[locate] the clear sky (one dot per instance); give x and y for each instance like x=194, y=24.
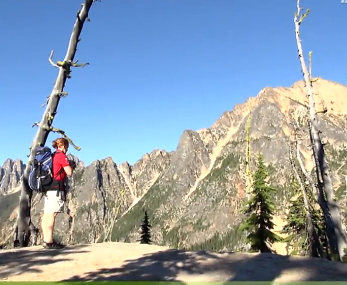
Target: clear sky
x=157, y=67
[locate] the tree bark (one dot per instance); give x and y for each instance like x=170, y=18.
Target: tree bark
x=335, y=232
x=315, y=245
x=25, y=226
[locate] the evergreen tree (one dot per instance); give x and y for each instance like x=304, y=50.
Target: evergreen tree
x=145, y=230
x=296, y=226
x=259, y=211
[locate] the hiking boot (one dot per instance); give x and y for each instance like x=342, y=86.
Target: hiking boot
x=53, y=245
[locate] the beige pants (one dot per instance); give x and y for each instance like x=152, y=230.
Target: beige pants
x=53, y=204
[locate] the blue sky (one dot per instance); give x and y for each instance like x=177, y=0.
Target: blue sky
x=157, y=67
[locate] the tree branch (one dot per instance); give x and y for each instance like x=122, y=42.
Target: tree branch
x=51, y=61
x=56, y=130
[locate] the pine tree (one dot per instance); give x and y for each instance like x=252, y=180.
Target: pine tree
x=145, y=230
x=296, y=226
x=259, y=211
x=296, y=223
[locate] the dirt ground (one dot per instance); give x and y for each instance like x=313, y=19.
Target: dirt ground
x=124, y=261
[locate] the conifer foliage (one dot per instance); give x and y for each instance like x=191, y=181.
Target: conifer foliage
x=296, y=227
x=145, y=230
x=259, y=211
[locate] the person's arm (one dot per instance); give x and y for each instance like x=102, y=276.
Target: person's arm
x=66, y=165
x=68, y=170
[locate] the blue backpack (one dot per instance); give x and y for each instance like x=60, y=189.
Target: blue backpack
x=41, y=174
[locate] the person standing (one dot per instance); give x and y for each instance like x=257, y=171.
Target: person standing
x=55, y=197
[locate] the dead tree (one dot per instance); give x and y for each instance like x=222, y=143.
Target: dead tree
x=248, y=157
x=335, y=233
x=315, y=246
x=25, y=227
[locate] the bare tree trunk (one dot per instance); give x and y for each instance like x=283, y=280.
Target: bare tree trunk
x=248, y=157
x=316, y=249
x=24, y=225
x=318, y=189
x=336, y=235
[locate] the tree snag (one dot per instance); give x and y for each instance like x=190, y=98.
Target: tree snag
x=249, y=180
x=315, y=247
x=25, y=227
x=335, y=232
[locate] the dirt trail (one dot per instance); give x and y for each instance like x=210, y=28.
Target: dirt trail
x=125, y=261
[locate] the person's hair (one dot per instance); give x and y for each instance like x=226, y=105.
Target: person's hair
x=60, y=142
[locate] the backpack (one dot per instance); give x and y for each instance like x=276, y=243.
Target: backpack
x=41, y=173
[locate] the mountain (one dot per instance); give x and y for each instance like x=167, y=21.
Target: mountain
x=194, y=194
x=10, y=175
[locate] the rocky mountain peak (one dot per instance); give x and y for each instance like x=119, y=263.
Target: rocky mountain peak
x=329, y=94
x=79, y=163
x=10, y=175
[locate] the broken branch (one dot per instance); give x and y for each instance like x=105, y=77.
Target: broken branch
x=51, y=61
x=56, y=130
x=325, y=110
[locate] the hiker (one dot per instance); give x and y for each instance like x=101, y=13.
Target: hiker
x=55, y=197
